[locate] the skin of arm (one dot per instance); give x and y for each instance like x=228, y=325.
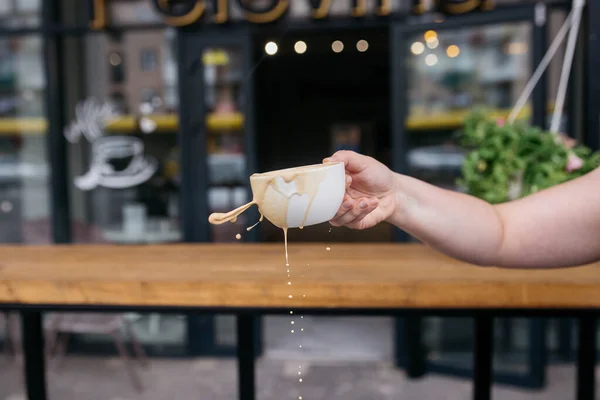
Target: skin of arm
x=556, y=227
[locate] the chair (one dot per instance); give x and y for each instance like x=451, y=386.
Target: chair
x=66, y=324
x=94, y=323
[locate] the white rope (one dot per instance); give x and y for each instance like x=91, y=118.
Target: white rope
x=566, y=68
x=522, y=100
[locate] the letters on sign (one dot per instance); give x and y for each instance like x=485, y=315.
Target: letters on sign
x=90, y=119
x=187, y=12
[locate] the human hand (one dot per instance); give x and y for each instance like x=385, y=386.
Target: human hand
x=370, y=191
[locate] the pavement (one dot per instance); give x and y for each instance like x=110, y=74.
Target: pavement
x=98, y=378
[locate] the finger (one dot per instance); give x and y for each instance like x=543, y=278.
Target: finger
x=354, y=162
x=361, y=208
x=358, y=223
x=347, y=205
x=348, y=181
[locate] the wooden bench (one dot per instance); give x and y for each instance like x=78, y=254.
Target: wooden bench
x=251, y=279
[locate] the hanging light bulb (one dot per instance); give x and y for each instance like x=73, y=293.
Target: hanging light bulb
x=271, y=48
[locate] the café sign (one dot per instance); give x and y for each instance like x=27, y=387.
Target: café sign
x=188, y=12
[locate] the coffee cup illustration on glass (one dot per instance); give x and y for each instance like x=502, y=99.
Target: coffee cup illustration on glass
x=110, y=150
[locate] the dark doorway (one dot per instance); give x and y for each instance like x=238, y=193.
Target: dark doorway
x=313, y=103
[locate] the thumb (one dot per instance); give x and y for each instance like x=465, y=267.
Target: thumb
x=353, y=162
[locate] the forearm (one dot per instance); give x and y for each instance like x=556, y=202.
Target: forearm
x=557, y=227
x=456, y=224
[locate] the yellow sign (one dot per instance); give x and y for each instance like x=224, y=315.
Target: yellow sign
x=191, y=11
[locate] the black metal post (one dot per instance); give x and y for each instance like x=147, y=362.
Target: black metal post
x=565, y=339
x=246, y=342
x=416, y=361
x=192, y=138
x=33, y=345
x=586, y=359
x=56, y=142
x=538, y=351
x=482, y=358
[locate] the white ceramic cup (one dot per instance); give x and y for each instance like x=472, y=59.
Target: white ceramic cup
x=328, y=179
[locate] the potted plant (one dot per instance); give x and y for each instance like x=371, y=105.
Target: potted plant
x=509, y=161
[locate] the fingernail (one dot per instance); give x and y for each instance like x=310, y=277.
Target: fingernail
x=348, y=179
x=373, y=202
x=363, y=204
x=347, y=204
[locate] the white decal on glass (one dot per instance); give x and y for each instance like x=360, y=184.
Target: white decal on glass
x=90, y=119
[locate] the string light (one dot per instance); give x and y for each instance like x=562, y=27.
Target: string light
x=271, y=48
x=337, y=46
x=300, y=47
x=362, y=46
x=453, y=51
x=433, y=42
x=417, y=48
x=431, y=59
x=430, y=35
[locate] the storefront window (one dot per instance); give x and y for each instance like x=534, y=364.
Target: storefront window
x=124, y=156
x=24, y=169
x=24, y=196
x=123, y=140
x=452, y=72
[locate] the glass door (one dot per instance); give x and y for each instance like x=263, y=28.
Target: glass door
x=220, y=155
x=122, y=133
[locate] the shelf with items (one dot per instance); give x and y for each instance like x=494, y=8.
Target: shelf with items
x=218, y=123
x=127, y=124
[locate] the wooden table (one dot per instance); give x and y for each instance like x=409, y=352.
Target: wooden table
x=251, y=279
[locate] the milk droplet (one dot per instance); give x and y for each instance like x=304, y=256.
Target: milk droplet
x=290, y=296
x=299, y=373
x=303, y=295
x=238, y=236
x=292, y=322
x=300, y=346
x=327, y=248
x=299, y=397
x=302, y=316
x=300, y=380
x=292, y=331
x=291, y=312
x=289, y=283
x=301, y=329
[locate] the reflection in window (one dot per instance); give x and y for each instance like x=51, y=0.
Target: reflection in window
x=456, y=70
x=148, y=60
x=20, y=13
x=117, y=70
x=24, y=201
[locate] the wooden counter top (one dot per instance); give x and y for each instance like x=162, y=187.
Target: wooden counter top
x=254, y=275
